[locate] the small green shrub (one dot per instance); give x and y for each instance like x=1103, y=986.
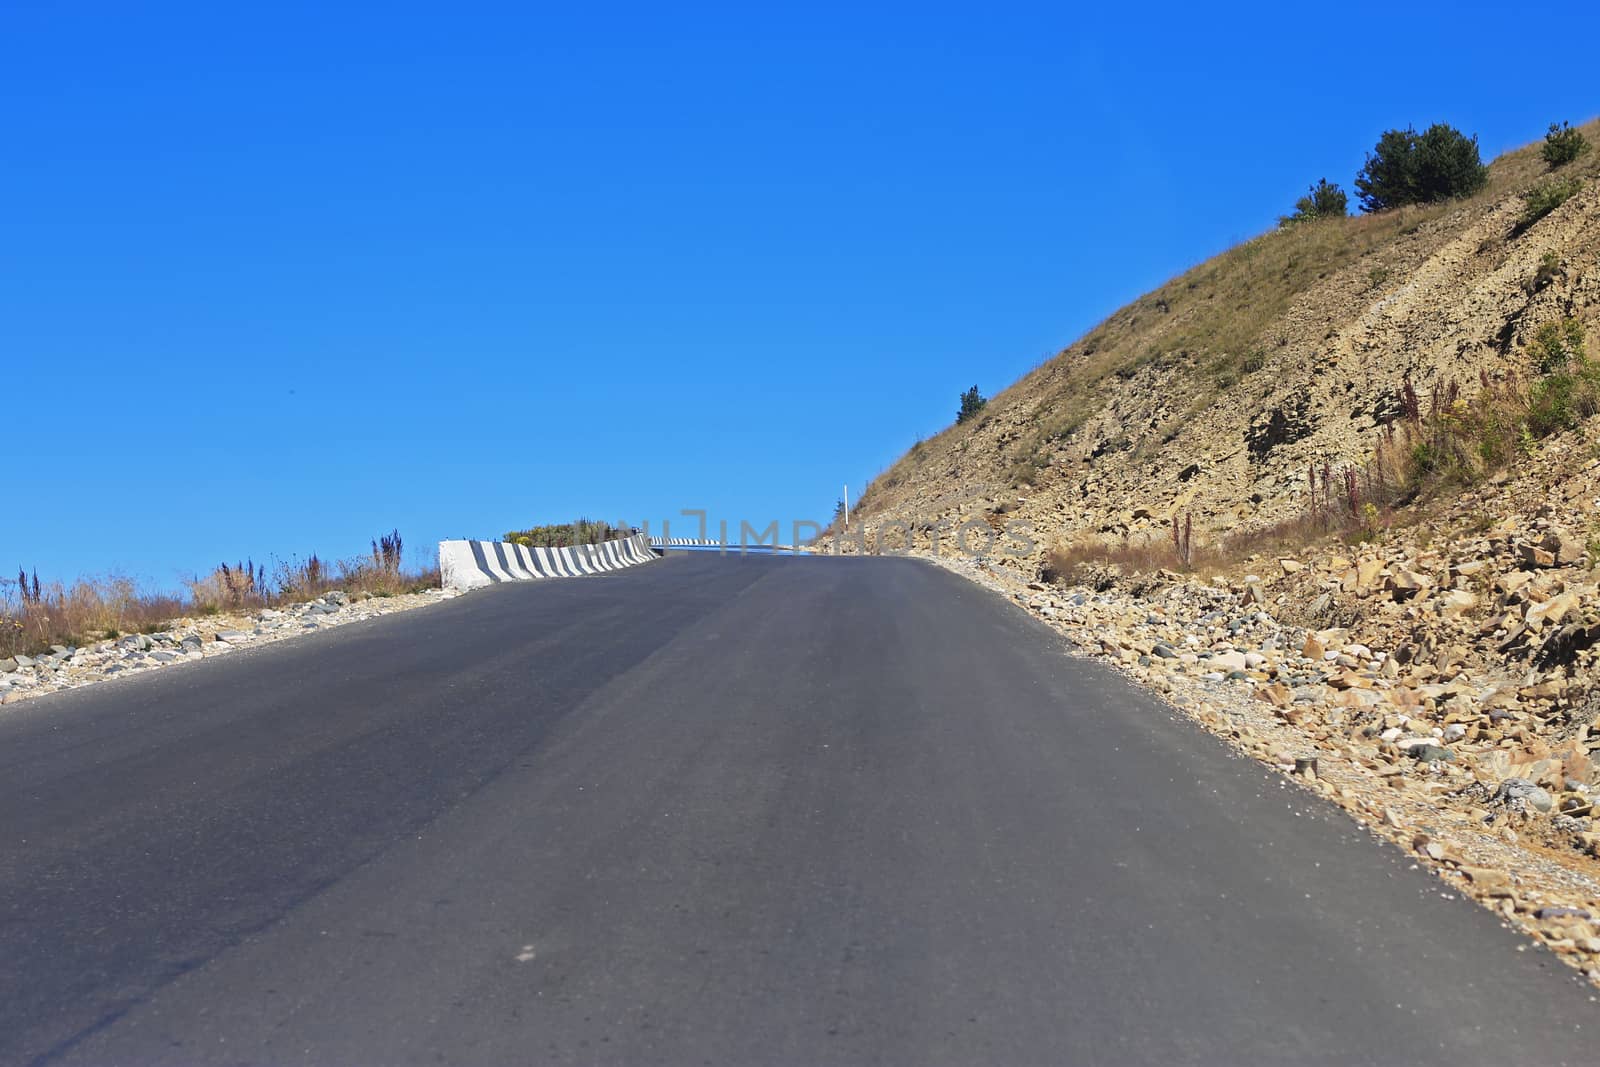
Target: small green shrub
x=1557, y=345
x=1562, y=145
x=1570, y=389
x=1545, y=198
x=1325, y=200
x=1377, y=276
x=1425, y=457
x=1551, y=405
x=972, y=402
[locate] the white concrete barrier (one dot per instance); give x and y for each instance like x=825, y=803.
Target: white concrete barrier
x=470, y=564
x=703, y=542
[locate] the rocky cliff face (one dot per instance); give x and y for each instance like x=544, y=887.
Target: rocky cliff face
x=1214, y=394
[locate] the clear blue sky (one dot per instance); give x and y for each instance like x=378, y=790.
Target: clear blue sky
x=277, y=278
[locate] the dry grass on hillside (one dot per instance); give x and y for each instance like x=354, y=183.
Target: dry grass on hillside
x=1213, y=325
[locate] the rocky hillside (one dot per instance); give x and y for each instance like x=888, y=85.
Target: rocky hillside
x=1214, y=394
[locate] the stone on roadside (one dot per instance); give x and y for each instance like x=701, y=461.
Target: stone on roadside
x=1228, y=661
x=1533, y=796
x=1404, y=584
x=1456, y=602
x=1488, y=880
x=1532, y=555
x=1277, y=694
x=1367, y=573
x=1566, y=550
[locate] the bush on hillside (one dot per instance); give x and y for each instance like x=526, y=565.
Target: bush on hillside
x=1325, y=200
x=1562, y=145
x=1406, y=167
x=563, y=535
x=1563, y=398
x=1558, y=344
x=972, y=402
x=1545, y=198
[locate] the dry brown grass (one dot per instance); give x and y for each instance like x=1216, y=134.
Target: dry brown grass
x=64, y=614
x=97, y=608
x=1082, y=562
x=1085, y=562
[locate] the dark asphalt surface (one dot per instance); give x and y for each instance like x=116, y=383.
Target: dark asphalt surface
x=712, y=810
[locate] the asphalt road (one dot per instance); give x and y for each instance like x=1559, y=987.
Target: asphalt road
x=728, y=811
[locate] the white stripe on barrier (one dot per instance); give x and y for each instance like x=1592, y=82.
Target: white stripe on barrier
x=471, y=564
x=514, y=565
x=491, y=562
x=507, y=558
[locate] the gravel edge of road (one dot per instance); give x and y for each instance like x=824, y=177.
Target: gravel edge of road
x=1401, y=819
x=216, y=635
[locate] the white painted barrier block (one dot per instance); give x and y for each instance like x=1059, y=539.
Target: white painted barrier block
x=473, y=564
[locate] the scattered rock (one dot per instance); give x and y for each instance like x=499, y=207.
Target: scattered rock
x=1521, y=790
x=1488, y=880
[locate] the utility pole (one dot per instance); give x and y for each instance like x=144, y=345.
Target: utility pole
x=847, y=506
